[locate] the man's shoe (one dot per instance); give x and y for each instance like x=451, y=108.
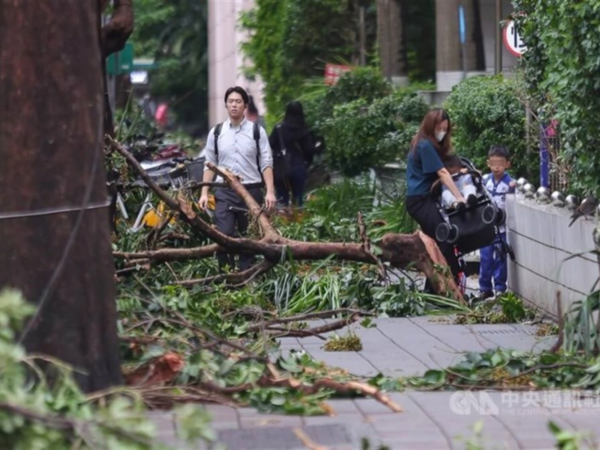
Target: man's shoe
x=472, y=200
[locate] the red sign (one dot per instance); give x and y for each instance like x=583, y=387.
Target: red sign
x=512, y=39
x=333, y=72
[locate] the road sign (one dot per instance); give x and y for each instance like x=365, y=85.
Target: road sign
x=121, y=62
x=333, y=72
x=512, y=39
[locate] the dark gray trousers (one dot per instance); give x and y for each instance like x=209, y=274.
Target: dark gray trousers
x=231, y=218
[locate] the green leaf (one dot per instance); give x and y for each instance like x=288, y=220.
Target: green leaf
x=434, y=376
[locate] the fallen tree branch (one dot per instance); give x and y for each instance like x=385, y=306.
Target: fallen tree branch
x=171, y=254
x=268, y=230
x=315, y=331
x=291, y=383
x=310, y=316
x=238, y=278
x=311, y=332
x=400, y=250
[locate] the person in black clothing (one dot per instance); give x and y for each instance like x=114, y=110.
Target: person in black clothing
x=293, y=149
x=424, y=166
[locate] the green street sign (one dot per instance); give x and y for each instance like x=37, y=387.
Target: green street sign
x=121, y=62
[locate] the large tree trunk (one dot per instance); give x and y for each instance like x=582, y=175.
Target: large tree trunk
x=474, y=50
x=448, y=39
x=51, y=117
x=391, y=40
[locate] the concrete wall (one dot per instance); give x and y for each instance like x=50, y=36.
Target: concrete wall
x=542, y=240
x=225, y=58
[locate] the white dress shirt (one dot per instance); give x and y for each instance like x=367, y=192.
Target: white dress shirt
x=237, y=151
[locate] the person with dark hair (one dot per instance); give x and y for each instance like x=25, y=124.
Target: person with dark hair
x=429, y=148
x=293, y=152
x=492, y=264
x=252, y=113
x=242, y=147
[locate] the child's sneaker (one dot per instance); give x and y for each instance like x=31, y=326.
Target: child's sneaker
x=472, y=200
x=458, y=206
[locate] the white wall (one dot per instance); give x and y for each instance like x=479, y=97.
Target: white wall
x=542, y=241
x=225, y=58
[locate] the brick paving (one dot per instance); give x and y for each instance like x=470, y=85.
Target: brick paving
x=430, y=420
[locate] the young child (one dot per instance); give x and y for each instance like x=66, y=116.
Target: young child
x=492, y=265
x=463, y=182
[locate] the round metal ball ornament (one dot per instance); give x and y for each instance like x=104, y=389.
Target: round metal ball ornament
x=557, y=199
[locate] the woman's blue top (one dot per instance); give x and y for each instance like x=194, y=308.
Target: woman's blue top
x=422, y=167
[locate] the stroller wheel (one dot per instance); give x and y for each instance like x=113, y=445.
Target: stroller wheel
x=442, y=232
x=453, y=235
x=488, y=214
x=501, y=217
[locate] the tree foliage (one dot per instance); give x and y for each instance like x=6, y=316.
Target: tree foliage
x=292, y=40
x=561, y=65
x=57, y=415
x=175, y=34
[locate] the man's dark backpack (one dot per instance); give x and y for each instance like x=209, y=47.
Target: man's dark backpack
x=256, y=133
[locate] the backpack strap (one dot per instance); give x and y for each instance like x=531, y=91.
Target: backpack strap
x=217, y=132
x=256, y=132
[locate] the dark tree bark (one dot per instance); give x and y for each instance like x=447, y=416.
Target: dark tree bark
x=51, y=117
x=474, y=49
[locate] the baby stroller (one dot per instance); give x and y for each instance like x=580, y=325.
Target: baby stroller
x=475, y=227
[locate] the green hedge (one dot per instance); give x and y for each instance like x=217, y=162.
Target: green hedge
x=363, y=133
x=561, y=67
x=361, y=83
x=486, y=111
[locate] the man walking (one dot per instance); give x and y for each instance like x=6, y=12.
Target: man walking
x=241, y=147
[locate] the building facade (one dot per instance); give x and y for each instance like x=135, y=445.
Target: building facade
x=226, y=61
x=450, y=68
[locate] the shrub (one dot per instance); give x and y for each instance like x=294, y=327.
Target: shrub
x=361, y=83
x=485, y=110
x=363, y=134
x=561, y=67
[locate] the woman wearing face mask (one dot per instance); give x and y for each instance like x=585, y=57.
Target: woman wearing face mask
x=424, y=166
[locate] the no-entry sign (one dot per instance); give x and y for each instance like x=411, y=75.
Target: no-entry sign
x=512, y=39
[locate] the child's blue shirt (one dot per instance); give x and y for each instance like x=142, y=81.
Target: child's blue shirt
x=499, y=190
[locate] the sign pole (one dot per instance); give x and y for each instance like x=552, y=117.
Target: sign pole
x=463, y=39
x=498, y=38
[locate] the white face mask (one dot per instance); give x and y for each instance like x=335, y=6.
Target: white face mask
x=440, y=136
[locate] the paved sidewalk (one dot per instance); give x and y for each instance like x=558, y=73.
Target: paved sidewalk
x=431, y=420
x=410, y=346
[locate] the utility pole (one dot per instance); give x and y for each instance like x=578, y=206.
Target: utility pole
x=54, y=226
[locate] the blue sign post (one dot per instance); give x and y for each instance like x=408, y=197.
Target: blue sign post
x=462, y=29
x=544, y=158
